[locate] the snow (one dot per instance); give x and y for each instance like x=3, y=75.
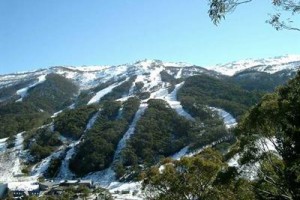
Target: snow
x=269, y=65
x=233, y=162
x=92, y=121
x=23, y=186
x=107, y=176
x=56, y=114
x=176, y=64
x=250, y=171
x=175, y=104
x=171, y=99
x=65, y=172
x=72, y=106
x=91, y=68
x=267, y=144
x=115, y=188
x=179, y=74
x=40, y=168
x=130, y=130
x=3, y=145
x=23, y=92
x=11, y=162
x=103, y=178
x=148, y=72
x=183, y=152
x=229, y=122
x=102, y=93
x=228, y=119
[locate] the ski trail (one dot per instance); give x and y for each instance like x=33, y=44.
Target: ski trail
x=10, y=167
x=23, y=92
x=175, y=104
x=102, y=93
x=107, y=176
x=65, y=172
x=3, y=145
x=179, y=74
x=130, y=131
x=228, y=119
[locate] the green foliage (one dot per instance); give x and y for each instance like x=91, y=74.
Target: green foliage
x=138, y=86
x=121, y=90
x=276, y=116
x=41, y=142
x=219, y=8
x=54, y=94
x=166, y=77
x=119, y=169
x=159, y=132
x=208, y=131
x=72, y=123
x=204, y=176
x=10, y=142
x=53, y=168
x=261, y=81
x=97, y=150
x=18, y=117
x=206, y=90
x=86, y=95
x=9, y=91
x=144, y=95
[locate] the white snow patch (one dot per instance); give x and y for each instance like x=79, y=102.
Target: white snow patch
x=250, y=171
x=11, y=163
x=23, y=92
x=65, y=172
x=130, y=131
x=134, y=189
x=171, y=99
x=107, y=176
x=25, y=186
x=103, y=178
x=183, y=152
x=233, y=162
x=102, y=93
x=229, y=120
x=3, y=144
x=179, y=74
x=40, y=168
x=176, y=64
x=269, y=65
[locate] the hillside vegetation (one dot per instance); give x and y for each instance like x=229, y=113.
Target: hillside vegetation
x=100, y=142
x=54, y=94
x=207, y=90
x=275, y=119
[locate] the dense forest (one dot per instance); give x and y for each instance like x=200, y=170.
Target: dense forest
x=207, y=90
x=97, y=149
x=55, y=93
x=274, y=119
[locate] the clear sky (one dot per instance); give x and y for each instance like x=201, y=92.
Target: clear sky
x=42, y=33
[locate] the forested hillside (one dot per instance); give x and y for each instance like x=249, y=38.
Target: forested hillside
x=160, y=123
x=267, y=142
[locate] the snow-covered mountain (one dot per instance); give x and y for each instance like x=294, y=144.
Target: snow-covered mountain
x=269, y=65
x=87, y=76
x=159, y=80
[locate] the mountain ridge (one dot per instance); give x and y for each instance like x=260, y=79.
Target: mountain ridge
x=139, y=112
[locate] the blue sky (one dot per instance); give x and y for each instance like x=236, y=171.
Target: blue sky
x=36, y=34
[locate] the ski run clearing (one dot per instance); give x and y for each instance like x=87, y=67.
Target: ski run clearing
x=23, y=92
